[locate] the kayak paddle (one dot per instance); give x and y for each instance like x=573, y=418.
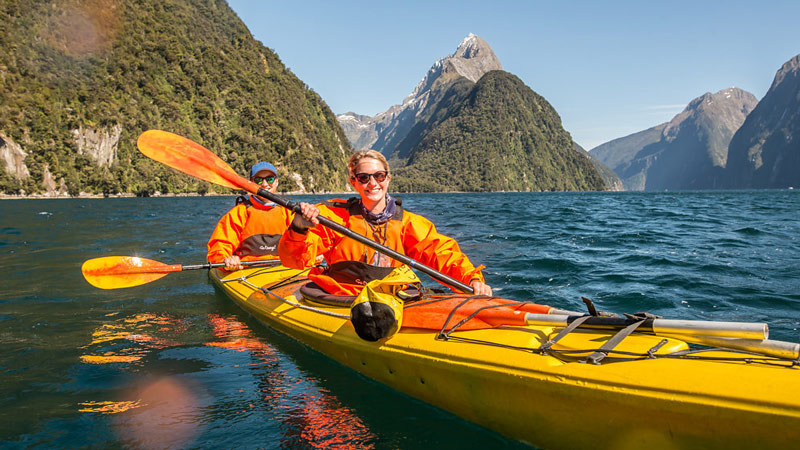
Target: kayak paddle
x=744, y=336
x=193, y=159
x=115, y=272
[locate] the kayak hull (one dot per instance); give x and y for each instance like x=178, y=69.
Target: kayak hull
x=545, y=401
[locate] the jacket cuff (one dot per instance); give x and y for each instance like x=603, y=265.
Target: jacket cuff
x=476, y=274
x=293, y=230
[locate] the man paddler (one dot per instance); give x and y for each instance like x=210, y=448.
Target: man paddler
x=252, y=229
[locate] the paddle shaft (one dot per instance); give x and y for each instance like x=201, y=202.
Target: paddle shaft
x=214, y=265
x=659, y=327
x=293, y=206
x=170, y=268
x=743, y=336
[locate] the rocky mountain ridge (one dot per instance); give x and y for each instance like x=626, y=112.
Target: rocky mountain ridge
x=765, y=151
x=480, y=124
x=688, y=152
x=727, y=140
x=383, y=132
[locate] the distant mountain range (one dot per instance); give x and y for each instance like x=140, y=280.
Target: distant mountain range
x=726, y=140
x=75, y=98
x=480, y=125
x=688, y=152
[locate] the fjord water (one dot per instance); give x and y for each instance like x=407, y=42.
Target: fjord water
x=174, y=364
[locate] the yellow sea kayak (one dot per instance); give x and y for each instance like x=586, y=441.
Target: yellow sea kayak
x=650, y=392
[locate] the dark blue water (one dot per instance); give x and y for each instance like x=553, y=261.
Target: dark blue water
x=174, y=364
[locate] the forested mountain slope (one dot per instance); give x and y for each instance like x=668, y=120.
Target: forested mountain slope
x=80, y=80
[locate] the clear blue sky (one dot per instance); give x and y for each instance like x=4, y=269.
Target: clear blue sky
x=609, y=68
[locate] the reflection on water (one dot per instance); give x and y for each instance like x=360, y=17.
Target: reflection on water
x=310, y=416
x=155, y=413
x=127, y=340
x=169, y=411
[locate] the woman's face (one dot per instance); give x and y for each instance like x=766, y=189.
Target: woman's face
x=372, y=192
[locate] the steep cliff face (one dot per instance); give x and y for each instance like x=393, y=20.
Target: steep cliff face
x=472, y=59
x=688, y=152
x=765, y=152
x=100, y=145
x=13, y=158
x=81, y=79
x=53, y=187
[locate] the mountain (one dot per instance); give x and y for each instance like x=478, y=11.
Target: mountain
x=618, y=153
x=499, y=135
x=384, y=132
x=765, y=151
x=81, y=79
x=480, y=125
x=688, y=152
x=610, y=179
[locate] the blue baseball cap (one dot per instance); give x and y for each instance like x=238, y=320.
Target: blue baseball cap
x=263, y=165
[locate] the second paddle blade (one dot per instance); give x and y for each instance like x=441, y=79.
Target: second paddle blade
x=115, y=272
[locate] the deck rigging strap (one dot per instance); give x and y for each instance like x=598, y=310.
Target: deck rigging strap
x=602, y=352
x=544, y=349
x=652, y=352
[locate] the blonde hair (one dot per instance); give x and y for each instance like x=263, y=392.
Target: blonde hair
x=356, y=158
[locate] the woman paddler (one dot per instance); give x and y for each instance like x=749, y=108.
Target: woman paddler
x=380, y=217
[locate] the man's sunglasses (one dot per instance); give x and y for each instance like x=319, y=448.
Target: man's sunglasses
x=363, y=178
x=270, y=179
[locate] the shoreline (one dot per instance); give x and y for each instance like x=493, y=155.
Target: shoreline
x=340, y=194
x=85, y=195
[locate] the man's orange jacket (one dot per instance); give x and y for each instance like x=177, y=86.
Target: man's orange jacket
x=249, y=230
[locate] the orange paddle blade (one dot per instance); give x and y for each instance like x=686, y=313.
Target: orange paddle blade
x=191, y=158
x=114, y=272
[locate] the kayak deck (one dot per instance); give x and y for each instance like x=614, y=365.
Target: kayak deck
x=648, y=393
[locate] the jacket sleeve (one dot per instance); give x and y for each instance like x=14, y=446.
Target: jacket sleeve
x=422, y=242
x=226, y=235
x=299, y=251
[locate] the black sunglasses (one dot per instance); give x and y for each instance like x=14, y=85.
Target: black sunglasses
x=268, y=179
x=363, y=178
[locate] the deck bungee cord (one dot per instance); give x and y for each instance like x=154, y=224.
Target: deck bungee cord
x=269, y=290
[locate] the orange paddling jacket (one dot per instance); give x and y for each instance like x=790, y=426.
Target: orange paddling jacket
x=249, y=230
x=352, y=264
